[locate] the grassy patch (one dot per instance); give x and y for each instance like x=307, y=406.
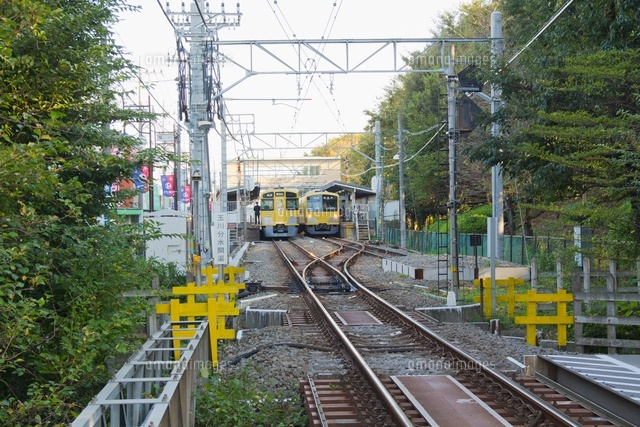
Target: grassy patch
x=236, y=398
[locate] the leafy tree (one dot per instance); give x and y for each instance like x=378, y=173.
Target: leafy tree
x=420, y=126
x=570, y=123
x=346, y=147
x=420, y=98
x=63, y=321
x=583, y=142
x=583, y=27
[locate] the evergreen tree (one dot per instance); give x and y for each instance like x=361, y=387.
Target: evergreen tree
x=570, y=123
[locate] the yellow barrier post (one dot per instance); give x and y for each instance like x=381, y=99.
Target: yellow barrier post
x=561, y=319
x=212, y=312
x=221, y=302
x=510, y=283
x=511, y=296
x=174, y=316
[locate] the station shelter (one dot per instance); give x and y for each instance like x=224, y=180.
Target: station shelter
x=358, y=209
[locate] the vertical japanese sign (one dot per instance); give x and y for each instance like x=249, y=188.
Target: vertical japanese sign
x=220, y=234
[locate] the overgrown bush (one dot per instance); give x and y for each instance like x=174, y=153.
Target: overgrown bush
x=236, y=399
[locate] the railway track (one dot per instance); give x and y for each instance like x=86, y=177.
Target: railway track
x=370, y=331
x=360, y=384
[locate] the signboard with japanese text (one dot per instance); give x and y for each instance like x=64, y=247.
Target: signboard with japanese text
x=220, y=235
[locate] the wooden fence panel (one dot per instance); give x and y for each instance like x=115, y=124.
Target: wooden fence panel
x=584, y=295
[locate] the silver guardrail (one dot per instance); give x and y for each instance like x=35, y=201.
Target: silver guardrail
x=152, y=388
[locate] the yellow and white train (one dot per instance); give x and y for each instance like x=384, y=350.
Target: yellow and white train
x=279, y=213
x=320, y=213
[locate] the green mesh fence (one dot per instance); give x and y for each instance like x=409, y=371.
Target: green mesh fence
x=517, y=249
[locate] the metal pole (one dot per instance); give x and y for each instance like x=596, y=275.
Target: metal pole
x=497, y=199
x=453, y=203
x=223, y=178
x=245, y=199
x=492, y=224
x=150, y=179
x=192, y=26
x=379, y=184
x=197, y=226
x=207, y=195
x=403, y=219
x=223, y=162
x=198, y=129
x=176, y=171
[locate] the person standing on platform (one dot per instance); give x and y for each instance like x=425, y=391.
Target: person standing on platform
x=256, y=213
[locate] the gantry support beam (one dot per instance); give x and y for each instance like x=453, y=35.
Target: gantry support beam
x=338, y=56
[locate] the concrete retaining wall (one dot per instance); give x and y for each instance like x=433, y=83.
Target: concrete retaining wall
x=455, y=314
x=465, y=273
x=262, y=318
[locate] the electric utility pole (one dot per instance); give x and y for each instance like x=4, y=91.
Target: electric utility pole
x=402, y=213
x=379, y=184
x=199, y=28
x=496, y=231
x=453, y=201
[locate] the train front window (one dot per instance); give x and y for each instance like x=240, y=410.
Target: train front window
x=267, y=205
x=314, y=203
x=292, y=204
x=330, y=203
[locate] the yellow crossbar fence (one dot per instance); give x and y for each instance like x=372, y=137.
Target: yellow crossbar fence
x=532, y=319
x=220, y=302
x=531, y=298
x=510, y=283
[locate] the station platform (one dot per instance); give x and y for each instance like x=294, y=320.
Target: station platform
x=253, y=232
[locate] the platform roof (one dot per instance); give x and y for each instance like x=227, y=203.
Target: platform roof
x=347, y=187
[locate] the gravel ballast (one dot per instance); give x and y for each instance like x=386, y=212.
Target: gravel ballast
x=285, y=355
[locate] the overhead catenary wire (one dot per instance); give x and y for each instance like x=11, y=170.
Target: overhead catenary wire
x=393, y=165
x=326, y=34
x=229, y=132
x=148, y=89
x=542, y=30
x=166, y=16
x=310, y=64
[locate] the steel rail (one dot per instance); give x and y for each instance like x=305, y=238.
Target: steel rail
x=370, y=250
x=547, y=410
x=319, y=259
x=389, y=402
